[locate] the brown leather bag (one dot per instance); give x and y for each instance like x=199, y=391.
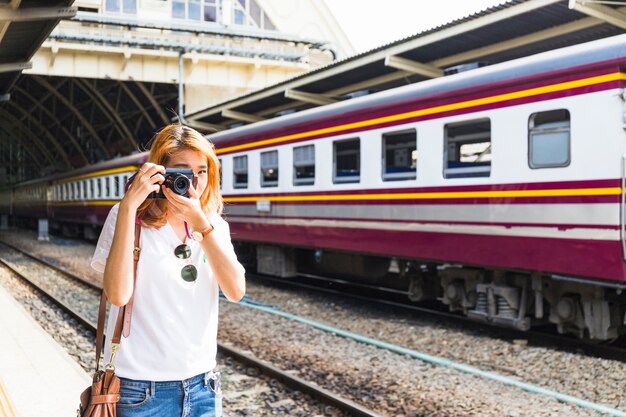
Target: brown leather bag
x=100, y=399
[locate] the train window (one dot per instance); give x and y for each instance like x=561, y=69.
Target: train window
x=92, y=193
x=549, y=139
x=116, y=185
x=124, y=182
x=269, y=169
x=400, y=155
x=467, y=151
x=304, y=165
x=347, y=161
x=240, y=171
x=219, y=161
x=107, y=187
x=99, y=187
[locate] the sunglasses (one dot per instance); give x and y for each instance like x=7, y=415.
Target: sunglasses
x=189, y=273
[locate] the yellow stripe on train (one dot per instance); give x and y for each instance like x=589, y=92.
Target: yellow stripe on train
x=435, y=195
x=434, y=110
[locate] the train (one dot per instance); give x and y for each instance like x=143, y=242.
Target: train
x=498, y=192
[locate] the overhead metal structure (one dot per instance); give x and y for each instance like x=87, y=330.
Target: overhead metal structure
x=24, y=25
x=511, y=30
x=51, y=123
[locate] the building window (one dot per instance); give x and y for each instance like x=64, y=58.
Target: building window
x=467, y=151
x=269, y=169
x=240, y=172
x=549, y=139
x=304, y=165
x=121, y=6
x=347, y=161
x=197, y=10
x=400, y=155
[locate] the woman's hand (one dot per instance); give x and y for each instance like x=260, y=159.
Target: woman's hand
x=187, y=209
x=147, y=180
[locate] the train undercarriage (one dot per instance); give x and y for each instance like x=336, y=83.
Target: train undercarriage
x=588, y=309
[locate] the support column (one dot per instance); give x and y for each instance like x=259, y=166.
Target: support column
x=43, y=230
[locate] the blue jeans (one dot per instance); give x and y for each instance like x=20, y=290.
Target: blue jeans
x=198, y=396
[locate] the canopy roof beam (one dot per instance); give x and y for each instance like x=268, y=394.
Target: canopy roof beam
x=38, y=104
x=312, y=98
x=408, y=65
x=29, y=149
x=244, y=117
x=15, y=66
x=44, y=130
x=37, y=13
x=34, y=138
x=41, y=81
x=137, y=103
x=155, y=104
x=605, y=13
x=108, y=110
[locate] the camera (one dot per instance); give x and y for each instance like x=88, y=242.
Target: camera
x=176, y=179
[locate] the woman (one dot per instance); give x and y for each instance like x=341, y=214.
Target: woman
x=165, y=364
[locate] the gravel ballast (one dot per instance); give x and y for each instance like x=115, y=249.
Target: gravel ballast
x=390, y=383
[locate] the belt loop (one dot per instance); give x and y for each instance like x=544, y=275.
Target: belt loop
x=207, y=376
x=152, y=389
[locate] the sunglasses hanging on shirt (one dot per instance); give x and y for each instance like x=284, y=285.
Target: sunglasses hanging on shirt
x=189, y=273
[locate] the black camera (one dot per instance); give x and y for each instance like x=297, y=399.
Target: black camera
x=176, y=179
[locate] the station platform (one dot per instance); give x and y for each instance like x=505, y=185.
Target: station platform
x=37, y=377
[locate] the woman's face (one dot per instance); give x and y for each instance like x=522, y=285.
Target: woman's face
x=196, y=161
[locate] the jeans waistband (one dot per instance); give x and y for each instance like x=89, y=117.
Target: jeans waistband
x=203, y=377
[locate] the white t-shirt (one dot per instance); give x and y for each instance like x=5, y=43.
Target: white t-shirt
x=173, y=332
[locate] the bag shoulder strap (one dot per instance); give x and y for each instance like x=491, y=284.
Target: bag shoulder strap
x=124, y=314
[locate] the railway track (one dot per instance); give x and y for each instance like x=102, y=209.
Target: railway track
x=320, y=394
x=393, y=298
x=443, y=316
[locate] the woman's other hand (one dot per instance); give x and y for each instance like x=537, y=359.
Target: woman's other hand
x=147, y=180
x=187, y=209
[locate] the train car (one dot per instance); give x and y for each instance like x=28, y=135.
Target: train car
x=75, y=203
x=30, y=200
x=82, y=199
x=499, y=191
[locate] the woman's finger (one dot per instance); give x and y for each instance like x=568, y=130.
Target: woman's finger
x=192, y=192
x=157, y=178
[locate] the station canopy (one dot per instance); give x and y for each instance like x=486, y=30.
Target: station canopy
x=508, y=31
x=24, y=26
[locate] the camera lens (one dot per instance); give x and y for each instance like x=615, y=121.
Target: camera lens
x=180, y=184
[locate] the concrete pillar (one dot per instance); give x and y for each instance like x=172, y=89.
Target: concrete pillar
x=4, y=222
x=43, y=230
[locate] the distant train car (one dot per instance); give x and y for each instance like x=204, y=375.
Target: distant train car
x=497, y=190
x=6, y=201
x=82, y=199
x=77, y=202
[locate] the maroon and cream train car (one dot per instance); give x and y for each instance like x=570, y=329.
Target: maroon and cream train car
x=497, y=190
x=76, y=202
x=82, y=199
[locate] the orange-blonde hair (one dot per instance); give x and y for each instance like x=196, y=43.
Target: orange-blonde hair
x=171, y=139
